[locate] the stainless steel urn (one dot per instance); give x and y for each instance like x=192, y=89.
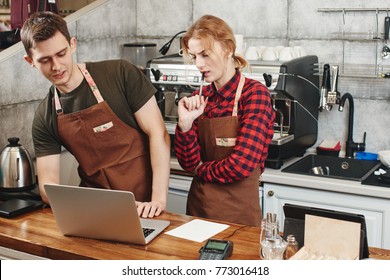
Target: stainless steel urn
x=17, y=172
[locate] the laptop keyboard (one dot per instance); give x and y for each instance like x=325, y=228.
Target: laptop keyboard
x=147, y=231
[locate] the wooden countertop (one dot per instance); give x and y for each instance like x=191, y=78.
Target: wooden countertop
x=37, y=233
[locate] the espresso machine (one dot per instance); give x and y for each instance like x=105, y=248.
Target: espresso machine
x=173, y=79
x=295, y=99
x=294, y=88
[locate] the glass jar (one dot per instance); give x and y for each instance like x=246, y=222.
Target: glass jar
x=273, y=249
x=269, y=231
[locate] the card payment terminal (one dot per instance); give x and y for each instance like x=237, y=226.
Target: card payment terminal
x=216, y=250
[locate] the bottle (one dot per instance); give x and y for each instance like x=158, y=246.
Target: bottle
x=292, y=247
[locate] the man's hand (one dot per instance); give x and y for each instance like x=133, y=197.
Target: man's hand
x=150, y=209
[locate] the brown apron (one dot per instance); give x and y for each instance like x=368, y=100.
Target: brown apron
x=236, y=202
x=111, y=154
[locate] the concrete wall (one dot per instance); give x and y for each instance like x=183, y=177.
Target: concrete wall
x=108, y=24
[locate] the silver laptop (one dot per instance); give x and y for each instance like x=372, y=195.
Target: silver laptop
x=101, y=214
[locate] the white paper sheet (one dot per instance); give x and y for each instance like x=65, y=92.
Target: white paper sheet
x=197, y=230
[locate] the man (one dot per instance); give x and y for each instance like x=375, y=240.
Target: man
x=104, y=113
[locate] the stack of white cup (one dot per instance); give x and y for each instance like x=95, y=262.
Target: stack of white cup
x=271, y=53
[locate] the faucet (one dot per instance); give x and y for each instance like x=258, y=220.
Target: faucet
x=351, y=146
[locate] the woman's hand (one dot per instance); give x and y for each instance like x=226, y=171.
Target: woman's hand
x=190, y=108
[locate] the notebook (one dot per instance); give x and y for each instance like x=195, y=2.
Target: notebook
x=101, y=214
x=18, y=206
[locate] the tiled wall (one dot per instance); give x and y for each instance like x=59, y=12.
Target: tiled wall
x=102, y=32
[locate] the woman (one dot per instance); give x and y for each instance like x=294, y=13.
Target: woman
x=223, y=134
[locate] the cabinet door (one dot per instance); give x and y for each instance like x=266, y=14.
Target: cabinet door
x=375, y=210
x=177, y=193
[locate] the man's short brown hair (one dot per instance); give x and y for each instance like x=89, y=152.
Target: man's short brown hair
x=41, y=26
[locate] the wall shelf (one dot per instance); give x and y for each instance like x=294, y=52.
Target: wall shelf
x=5, y=12
x=353, y=10
x=349, y=70
x=357, y=36
x=378, y=69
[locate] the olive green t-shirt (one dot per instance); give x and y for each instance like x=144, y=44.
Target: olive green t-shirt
x=125, y=88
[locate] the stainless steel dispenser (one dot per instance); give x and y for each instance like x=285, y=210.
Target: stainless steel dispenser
x=17, y=170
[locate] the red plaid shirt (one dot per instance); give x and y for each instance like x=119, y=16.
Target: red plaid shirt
x=256, y=120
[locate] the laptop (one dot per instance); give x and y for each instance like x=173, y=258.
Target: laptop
x=294, y=223
x=101, y=214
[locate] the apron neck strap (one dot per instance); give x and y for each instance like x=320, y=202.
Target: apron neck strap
x=238, y=95
x=91, y=84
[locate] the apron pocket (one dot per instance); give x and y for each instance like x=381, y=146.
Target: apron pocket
x=103, y=127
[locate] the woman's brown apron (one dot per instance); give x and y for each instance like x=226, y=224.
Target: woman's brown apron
x=111, y=154
x=236, y=202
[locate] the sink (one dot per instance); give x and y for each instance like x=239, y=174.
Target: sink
x=339, y=168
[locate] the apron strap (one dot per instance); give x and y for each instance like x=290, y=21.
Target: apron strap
x=238, y=95
x=57, y=102
x=91, y=84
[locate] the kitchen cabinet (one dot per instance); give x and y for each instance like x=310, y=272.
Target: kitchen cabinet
x=179, y=186
x=69, y=174
x=376, y=210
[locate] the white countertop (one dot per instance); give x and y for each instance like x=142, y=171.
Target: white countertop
x=276, y=176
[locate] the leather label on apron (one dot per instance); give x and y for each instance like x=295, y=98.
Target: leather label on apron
x=103, y=127
x=225, y=142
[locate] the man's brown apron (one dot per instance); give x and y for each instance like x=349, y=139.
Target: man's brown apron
x=110, y=153
x=236, y=202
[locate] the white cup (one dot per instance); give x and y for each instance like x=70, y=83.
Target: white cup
x=287, y=54
x=279, y=48
x=270, y=54
x=299, y=51
x=260, y=50
x=239, y=43
x=251, y=53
